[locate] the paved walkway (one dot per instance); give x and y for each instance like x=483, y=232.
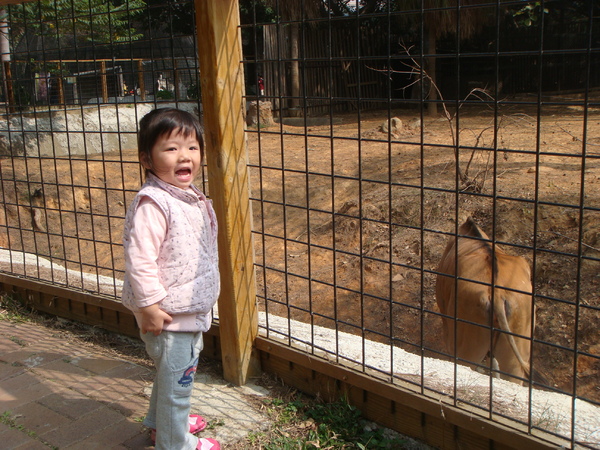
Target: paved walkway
x=57, y=394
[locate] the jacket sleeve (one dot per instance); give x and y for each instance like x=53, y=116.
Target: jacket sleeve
x=148, y=231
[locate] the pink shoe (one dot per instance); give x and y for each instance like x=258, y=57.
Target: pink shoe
x=197, y=424
x=207, y=444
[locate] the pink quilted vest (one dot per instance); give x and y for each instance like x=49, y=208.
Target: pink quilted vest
x=188, y=259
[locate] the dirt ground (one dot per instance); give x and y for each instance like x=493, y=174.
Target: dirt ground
x=326, y=176
x=372, y=216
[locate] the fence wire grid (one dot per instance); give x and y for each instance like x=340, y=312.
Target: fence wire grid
x=375, y=130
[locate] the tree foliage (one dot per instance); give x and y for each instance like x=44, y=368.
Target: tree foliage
x=76, y=21
x=530, y=13
x=171, y=17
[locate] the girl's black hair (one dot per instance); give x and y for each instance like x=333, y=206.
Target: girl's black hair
x=161, y=122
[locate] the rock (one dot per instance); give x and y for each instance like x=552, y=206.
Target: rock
x=260, y=114
x=394, y=126
x=414, y=123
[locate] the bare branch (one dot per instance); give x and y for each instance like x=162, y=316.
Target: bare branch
x=571, y=239
x=575, y=138
x=413, y=69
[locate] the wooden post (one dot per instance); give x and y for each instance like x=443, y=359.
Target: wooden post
x=222, y=78
x=60, y=86
x=10, y=92
x=176, y=80
x=103, y=81
x=141, y=85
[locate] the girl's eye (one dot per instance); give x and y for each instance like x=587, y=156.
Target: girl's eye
x=194, y=148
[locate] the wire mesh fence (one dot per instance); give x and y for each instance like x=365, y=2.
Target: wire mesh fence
x=413, y=117
x=78, y=76
x=375, y=129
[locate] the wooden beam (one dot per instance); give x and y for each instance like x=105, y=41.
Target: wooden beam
x=99, y=310
x=103, y=81
x=222, y=81
x=10, y=92
x=46, y=287
x=141, y=85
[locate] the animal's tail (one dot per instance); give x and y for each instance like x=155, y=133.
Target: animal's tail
x=470, y=228
x=500, y=313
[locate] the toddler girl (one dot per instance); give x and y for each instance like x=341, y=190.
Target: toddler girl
x=171, y=271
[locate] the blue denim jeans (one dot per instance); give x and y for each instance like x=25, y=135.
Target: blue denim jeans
x=175, y=356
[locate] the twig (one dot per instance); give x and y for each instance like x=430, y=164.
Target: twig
x=578, y=139
x=571, y=239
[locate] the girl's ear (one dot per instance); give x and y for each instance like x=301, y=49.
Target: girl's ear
x=145, y=161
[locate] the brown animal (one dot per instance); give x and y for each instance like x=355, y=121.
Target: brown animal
x=470, y=307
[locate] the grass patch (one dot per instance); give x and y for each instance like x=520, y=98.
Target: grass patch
x=8, y=419
x=303, y=423
x=13, y=310
x=18, y=341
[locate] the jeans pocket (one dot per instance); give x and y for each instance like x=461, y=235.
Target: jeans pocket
x=153, y=345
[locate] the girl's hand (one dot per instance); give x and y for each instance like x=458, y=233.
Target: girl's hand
x=153, y=319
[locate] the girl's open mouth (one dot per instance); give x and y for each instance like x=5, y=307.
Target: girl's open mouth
x=183, y=174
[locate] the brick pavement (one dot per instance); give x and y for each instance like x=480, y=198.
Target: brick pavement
x=57, y=394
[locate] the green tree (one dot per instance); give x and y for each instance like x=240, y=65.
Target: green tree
x=75, y=21
x=530, y=13
x=58, y=24
x=171, y=17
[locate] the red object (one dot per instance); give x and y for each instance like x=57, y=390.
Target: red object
x=261, y=86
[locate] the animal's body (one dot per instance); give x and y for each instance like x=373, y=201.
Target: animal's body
x=470, y=307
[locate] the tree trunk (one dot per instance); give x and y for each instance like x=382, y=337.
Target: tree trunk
x=4, y=52
x=431, y=63
x=294, y=103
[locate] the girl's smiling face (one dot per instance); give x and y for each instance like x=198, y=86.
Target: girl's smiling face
x=176, y=159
